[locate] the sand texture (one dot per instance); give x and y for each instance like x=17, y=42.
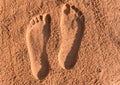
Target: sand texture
x=59, y=42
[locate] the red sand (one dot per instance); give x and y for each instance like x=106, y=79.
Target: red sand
x=98, y=60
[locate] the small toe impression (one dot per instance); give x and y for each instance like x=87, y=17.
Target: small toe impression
x=76, y=10
x=32, y=22
x=41, y=17
x=67, y=9
x=36, y=19
x=48, y=18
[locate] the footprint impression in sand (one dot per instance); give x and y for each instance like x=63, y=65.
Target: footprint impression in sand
x=37, y=35
x=72, y=28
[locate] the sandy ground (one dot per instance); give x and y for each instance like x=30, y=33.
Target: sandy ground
x=98, y=60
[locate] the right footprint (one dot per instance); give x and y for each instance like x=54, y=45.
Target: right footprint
x=72, y=28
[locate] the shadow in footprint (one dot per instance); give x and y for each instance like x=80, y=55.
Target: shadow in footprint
x=44, y=57
x=72, y=56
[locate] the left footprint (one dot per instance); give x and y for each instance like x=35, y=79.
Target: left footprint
x=37, y=35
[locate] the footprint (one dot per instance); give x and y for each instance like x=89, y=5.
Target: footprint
x=72, y=28
x=37, y=35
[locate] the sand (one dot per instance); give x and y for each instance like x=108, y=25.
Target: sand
x=98, y=51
